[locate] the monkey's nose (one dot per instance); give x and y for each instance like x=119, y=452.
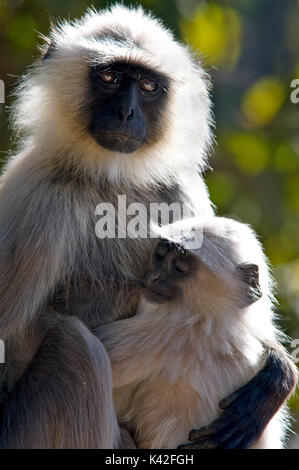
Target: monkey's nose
x=155, y=277
x=125, y=115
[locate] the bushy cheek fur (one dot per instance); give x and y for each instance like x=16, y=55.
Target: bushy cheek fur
x=54, y=101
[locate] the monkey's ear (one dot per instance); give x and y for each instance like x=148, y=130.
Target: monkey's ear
x=50, y=45
x=49, y=52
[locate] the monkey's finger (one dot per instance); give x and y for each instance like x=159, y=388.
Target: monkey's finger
x=202, y=432
x=224, y=435
x=236, y=442
x=214, y=441
x=226, y=402
x=201, y=444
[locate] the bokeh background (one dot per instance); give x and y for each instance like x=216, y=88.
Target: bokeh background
x=251, y=50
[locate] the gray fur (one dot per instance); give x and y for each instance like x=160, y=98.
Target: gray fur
x=51, y=259
x=174, y=360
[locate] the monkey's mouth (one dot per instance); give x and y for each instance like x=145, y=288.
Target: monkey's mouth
x=117, y=141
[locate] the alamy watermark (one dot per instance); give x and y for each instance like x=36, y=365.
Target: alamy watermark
x=294, y=345
x=2, y=101
x=2, y=352
x=136, y=220
x=2, y=92
x=294, y=96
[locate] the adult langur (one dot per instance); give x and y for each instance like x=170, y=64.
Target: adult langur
x=116, y=107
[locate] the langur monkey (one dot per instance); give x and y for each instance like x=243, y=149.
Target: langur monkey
x=201, y=331
x=115, y=107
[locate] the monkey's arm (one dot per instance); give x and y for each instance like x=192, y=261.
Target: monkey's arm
x=64, y=398
x=247, y=412
x=33, y=246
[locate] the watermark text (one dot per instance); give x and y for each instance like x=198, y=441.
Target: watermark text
x=295, y=350
x=158, y=219
x=295, y=93
x=2, y=352
x=2, y=92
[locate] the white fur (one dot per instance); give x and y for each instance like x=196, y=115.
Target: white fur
x=50, y=117
x=52, y=96
x=173, y=362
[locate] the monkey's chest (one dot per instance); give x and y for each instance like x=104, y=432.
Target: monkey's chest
x=95, y=303
x=102, y=290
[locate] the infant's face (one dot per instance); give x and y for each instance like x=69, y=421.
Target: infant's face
x=176, y=274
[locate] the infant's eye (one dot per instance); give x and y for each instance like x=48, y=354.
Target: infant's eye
x=108, y=76
x=181, y=266
x=148, y=85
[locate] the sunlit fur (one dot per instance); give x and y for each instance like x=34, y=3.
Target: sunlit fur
x=48, y=195
x=61, y=174
x=173, y=362
x=53, y=100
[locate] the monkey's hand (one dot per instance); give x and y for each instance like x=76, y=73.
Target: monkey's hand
x=247, y=412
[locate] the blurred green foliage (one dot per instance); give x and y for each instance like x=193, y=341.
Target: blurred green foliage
x=251, y=50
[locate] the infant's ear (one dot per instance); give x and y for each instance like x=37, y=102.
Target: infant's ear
x=249, y=272
x=250, y=275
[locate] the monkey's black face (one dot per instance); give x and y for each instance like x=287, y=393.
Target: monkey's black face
x=128, y=103
x=170, y=264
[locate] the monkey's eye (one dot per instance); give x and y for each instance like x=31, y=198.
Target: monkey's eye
x=109, y=77
x=180, y=266
x=149, y=86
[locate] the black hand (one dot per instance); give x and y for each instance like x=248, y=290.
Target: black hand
x=247, y=412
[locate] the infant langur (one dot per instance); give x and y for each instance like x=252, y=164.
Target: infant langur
x=201, y=332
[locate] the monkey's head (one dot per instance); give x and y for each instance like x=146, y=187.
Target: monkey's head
x=210, y=278
x=176, y=276
x=116, y=94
